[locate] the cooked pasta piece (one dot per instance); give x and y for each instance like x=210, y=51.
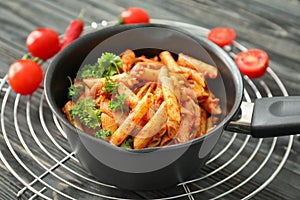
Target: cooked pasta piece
x=128, y=59
x=91, y=82
x=158, y=94
x=132, y=120
x=108, y=123
x=102, y=103
x=184, y=130
x=197, y=90
x=143, y=90
x=173, y=107
x=203, y=123
x=131, y=99
x=149, y=63
x=187, y=121
x=211, y=105
x=168, y=60
x=198, y=65
x=166, y=140
x=198, y=77
x=153, y=126
x=143, y=73
x=173, y=66
x=66, y=110
x=211, y=123
x=156, y=140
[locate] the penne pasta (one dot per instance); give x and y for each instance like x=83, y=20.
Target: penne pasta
x=66, y=111
x=91, y=82
x=168, y=60
x=102, y=104
x=144, y=73
x=198, y=65
x=131, y=99
x=198, y=91
x=184, y=130
x=166, y=140
x=108, y=123
x=203, y=123
x=211, y=105
x=128, y=59
x=158, y=94
x=155, y=101
x=173, y=108
x=149, y=63
x=132, y=120
x=154, y=142
x=187, y=121
x=143, y=90
x=154, y=125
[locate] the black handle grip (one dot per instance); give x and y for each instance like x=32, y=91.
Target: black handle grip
x=276, y=116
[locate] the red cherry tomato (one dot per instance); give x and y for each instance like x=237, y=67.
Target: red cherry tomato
x=43, y=43
x=24, y=76
x=134, y=15
x=253, y=62
x=221, y=36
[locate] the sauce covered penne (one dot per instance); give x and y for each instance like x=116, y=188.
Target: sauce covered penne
x=140, y=102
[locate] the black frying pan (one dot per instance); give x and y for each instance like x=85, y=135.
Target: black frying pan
x=160, y=167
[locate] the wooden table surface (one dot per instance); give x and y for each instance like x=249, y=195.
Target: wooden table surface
x=271, y=25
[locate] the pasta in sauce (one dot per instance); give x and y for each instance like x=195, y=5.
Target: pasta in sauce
x=154, y=101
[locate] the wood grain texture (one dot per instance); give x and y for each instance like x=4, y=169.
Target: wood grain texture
x=271, y=25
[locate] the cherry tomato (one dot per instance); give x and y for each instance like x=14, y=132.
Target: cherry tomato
x=24, y=76
x=43, y=43
x=134, y=15
x=221, y=36
x=253, y=62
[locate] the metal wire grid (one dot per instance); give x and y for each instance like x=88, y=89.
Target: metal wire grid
x=38, y=142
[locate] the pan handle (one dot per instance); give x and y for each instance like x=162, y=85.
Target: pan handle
x=268, y=117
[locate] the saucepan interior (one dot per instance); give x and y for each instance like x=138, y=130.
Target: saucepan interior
x=161, y=166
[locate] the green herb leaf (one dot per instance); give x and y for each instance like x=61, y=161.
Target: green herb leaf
x=87, y=113
x=90, y=71
x=118, y=104
x=127, y=143
x=111, y=63
x=74, y=90
x=107, y=65
x=110, y=86
x=102, y=134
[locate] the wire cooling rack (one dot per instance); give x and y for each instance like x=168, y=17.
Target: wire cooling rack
x=40, y=158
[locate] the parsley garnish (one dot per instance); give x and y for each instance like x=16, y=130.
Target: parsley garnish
x=107, y=65
x=74, y=90
x=127, y=143
x=111, y=64
x=118, y=104
x=87, y=113
x=102, y=134
x=110, y=86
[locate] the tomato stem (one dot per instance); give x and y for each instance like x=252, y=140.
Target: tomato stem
x=29, y=57
x=120, y=21
x=26, y=57
x=36, y=59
